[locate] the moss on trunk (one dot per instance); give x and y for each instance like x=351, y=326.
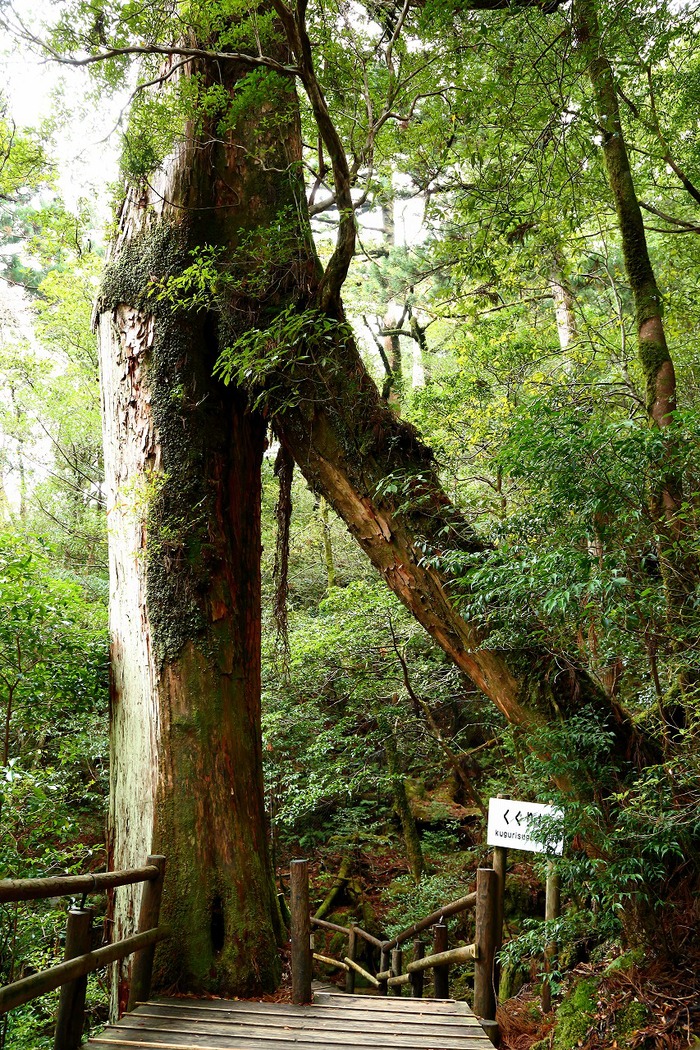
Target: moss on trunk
x=402, y=808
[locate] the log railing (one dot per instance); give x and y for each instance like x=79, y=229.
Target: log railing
x=391, y=976
x=79, y=958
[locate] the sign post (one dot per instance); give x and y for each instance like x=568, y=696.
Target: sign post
x=514, y=825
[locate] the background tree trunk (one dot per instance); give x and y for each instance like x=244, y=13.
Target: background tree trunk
x=679, y=566
x=402, y=808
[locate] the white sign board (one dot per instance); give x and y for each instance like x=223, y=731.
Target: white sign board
x=509, y=825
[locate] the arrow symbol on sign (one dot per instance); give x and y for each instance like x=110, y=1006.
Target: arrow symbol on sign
x=505, y=816
x=518, y=815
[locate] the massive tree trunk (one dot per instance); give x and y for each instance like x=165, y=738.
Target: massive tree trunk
x=183, y=455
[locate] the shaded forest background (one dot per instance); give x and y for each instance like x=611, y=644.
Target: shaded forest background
x=493, y=301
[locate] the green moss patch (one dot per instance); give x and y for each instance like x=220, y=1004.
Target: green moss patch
x=575, y=1015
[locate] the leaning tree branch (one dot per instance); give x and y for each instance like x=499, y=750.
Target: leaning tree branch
x=654, y=127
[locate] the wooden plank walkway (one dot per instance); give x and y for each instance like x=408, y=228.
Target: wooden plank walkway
x=334, y=1021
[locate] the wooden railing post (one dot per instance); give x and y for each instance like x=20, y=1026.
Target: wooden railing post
x=441, y=974
x=301, y=932
x=352, y=954
x=384, y=965
x=486, y=914
x=418, y=977
x=149, y=918
x=551, y=911
x=500, y=861
x=396, y=969
x=71, y=1007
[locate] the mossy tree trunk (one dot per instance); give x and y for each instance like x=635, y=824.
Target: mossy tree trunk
x=183, y=455
x=653, y=350
x=402, y=808
x=679, y=567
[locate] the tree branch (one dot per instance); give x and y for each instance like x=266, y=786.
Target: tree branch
x=339, y=263
x=108, y=53
x=547, y=7
x=685, y=226
x=673, y=165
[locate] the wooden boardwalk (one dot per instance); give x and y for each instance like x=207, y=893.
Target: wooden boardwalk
x=334, y=1021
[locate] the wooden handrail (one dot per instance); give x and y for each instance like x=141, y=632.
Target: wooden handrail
x=453, y=908
x=489, y=910
x=368, y=937
x=327, y=961
x=454, y=955
x=28, y=988
x=71, y=974
x=390, y=977
x=330, y=926
x=63, y=885
x=361, y=970
x=488, y=903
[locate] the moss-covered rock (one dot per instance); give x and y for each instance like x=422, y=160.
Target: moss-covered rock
x=625, y=962
x=436, y=805
x=628, y=1022
x=513, y=977
x=575, y=1015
